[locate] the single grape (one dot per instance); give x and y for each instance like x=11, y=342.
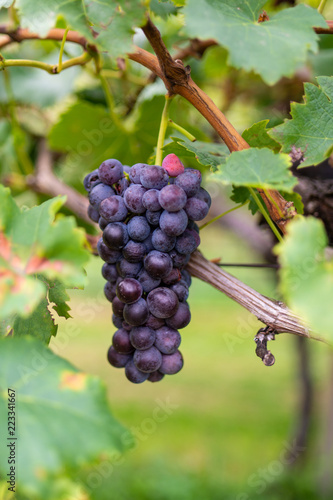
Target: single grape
x=133, y=198
x=204, y=196
x=129, y=290
x=147, y=282
x=116, y=359
x=162, y=302
x=109, y=291
x=154, y=177
x=93, y=213
x=181, y=290
x=115, y=235
x=126, y=326
x=167, y=340
x=148, y=360
x=155, y=376
x=173, y=223
x=178, y=260
x=121, y=342
x=109, y=272
x=134, y=173
x=118, y=307
x=197, y=207
x=154, y=323
x=117, y=321
x=136, y=314
x=102, y=223
x=138, y=228
x=100, y=193
x=113, y=209
x=133, y=374
x=187, y=277
x=181, y=318
x=148, y=244
x=142, y=337
x=189, y=181
x=110, y=171
x=172, y=198
x=107, y=254
x=171, y=363
x=153, y=217
x=162, y=242
x=134, y=251
x=157, y=264
x=91, y=180
x=173, y=277
x=150, y=200
x=173, y=165
x=128, y=269
x=186, y=243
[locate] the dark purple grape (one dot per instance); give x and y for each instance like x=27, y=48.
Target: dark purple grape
x=155, y=376
x=115, y=235
x=181, y=318
x=136, y=314
x=117, y=321
x=171, y=363
x=172, y=198
x=126, y=326
x=197, y=207
x=128, y=269
x=121, y=342
x=102, y=223
x=138, y=228
x=105, y=253
x=110, y=171
x=179, y=261
x=162, y=302
x=163, y=242
x=173, y=277
x=189, y=181
x=134, y=173
x=133, y=374
x=204, y=196
x=150, y=200
x=167, y=340
x=91, y=180
x=113, y=209
x=116, y=359
x=129, y=290
x=181, y=290
x=93, y=213
x=109, y=291
x=118, y=307
x=109, y=272
x=134, y=251
x=154, y=177
x=142, y=337
x=173, y=223
x=154, y=323
x=153, y=217
x=147, y=282
x=148, y=244
x=187, y=277
x=100, y=193
x=133, y=198
x=186, y=243
x=157, y=264
x=121, y=186
x=148, y=360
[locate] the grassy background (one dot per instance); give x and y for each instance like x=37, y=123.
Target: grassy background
x=229, y=416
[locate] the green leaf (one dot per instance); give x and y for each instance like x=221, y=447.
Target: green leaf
x=259, y=168
x=63, y=418
x=273, y=48
x=59, y=296
x=39, y=324
x=306, y=278
x=242, y=194
x=206, y=153
x=311, y=126
x=163, y=8
x=296, y=199
x=257, y=137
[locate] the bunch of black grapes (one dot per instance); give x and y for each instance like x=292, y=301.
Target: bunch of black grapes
x=147, y=214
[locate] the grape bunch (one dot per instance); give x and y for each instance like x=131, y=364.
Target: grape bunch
x=147, y=214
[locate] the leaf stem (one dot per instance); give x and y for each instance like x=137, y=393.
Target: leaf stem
x=321, y=6
x=222, y=215
x=265, y=214
x=162, y=131
x=62, y=46
x=52, y=69
x=182, y=130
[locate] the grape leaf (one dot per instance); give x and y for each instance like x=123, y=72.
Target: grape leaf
x=311, y=126
x=306, y=278
x=257, y=137
x=64, y=419
x=273, y=48
x=206, y=153
x=259, y=168
x=163, y=8
x=39, y=324
x=57, y=294
x=242, y=194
